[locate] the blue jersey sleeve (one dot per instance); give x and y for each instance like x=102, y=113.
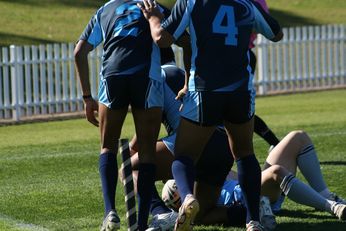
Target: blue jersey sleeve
x=179, y=19
x=93, y=32
x=264, y=23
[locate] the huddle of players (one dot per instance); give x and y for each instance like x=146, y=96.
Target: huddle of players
x=217, y=91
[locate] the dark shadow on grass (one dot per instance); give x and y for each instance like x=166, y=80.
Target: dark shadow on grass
x=287, y=19
x=333, y=163
x=74, y=3
x=303, y=214
x=13, y=39
x=308, y=226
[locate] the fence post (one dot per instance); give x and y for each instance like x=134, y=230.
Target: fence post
x=298, y=60
x=292, y=66
x=285, y=42
x=72, y=78
x=336, y=54
x=35, y=75
x=2, y=109
x=28, y=81
x=14, y=83
x=312, y=56
x=318, y=43
x=262, y=51
x=330, y=55
x=342, y=54
x=43, y=79
x=51, y=98
x=65, y=95
x=57, y=71
x=324, y=53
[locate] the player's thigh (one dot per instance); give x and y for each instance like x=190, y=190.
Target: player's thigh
x=147, y=119
x=147, y=109
x=163, y=159
x=199, y=117
x=147, y=126
x=285, y=153
x=111, y=122
x=191, y=138
x=240, y=138
x=239, y=122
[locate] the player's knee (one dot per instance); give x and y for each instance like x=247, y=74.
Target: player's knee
x=277, y=172
x=300, y=137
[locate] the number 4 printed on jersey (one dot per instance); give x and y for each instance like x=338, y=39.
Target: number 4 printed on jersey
x=229, y=29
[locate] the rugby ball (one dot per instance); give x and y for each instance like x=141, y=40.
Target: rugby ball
x=170, y=195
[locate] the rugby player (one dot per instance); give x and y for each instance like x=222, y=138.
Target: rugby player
x=218, y=91
x=130, y=76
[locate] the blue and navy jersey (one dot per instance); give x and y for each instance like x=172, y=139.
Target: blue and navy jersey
x=220, y=34
x=127, y=44
x=174, y=78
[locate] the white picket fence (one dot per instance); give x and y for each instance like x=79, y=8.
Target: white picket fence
x=41, y=80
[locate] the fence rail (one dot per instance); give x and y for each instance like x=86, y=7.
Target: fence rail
x=41, y=80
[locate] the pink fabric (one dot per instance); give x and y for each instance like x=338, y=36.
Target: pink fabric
x=253, y=36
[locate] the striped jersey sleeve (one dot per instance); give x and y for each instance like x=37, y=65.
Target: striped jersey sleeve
x=179, y=19
x=93, y=32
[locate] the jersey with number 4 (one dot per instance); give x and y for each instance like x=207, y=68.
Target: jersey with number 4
x=220, y=33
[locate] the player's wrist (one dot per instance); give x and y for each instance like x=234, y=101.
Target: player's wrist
x=87, y=97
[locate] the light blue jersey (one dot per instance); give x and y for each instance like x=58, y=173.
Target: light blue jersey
x=231, y=193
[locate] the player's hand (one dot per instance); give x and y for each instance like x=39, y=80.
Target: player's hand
x=182, y=93
x=91, y=106
x=149, y=9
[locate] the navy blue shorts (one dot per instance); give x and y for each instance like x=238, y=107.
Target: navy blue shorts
x=216, y=160
x=121, y=91
x=212, y=108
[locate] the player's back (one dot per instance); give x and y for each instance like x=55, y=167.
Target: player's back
x=222, y=31
x=126, y=38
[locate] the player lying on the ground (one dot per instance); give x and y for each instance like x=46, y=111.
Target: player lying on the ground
x=217, y=155
x=294, y=151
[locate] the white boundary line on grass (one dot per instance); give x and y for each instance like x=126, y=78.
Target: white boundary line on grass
x=327, y=134
x=20, y=225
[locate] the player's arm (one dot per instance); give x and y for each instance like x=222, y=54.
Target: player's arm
x=81, y=61
x=266, y=24
x=90, y=38
x=154, y=16
x=184, y=42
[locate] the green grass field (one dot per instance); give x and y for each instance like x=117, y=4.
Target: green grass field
x=49, y=171
x=50, y=21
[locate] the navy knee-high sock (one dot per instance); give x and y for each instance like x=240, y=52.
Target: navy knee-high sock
x=145, y=185
x=157, y=205
x=249, y=176
x=108, y=169
x=184, y=174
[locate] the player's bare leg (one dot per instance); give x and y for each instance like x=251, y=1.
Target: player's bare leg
x=111, y=122
x=188, y=148
x=249, y=172
x=147, y=124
